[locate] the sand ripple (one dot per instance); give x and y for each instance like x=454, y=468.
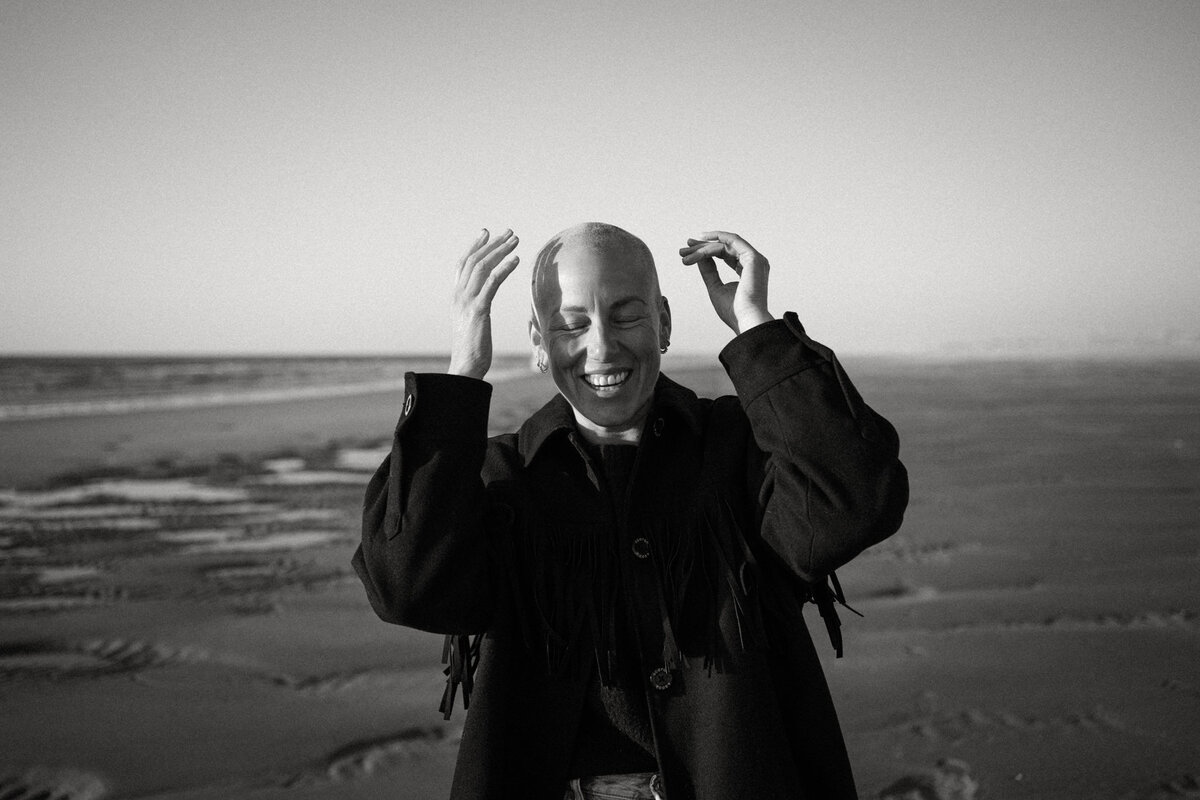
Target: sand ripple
x=366, y=758
x=127, y=490
x=47, y=783
x=936, y=721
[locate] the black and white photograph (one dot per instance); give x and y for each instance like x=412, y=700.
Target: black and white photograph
x=599, y=401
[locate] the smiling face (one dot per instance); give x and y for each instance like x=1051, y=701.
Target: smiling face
x=601, y=319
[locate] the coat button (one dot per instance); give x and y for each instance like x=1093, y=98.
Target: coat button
x=659, y=424
x=661, y=679
x=641, y=547
x=408, y=404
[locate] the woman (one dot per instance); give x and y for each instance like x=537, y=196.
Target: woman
x=633, y=561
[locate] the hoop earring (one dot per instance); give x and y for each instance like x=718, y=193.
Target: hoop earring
x=663, y=349
x=541, y=361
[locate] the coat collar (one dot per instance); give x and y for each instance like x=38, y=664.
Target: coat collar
x=670, y=400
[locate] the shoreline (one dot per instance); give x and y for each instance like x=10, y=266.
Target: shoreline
x=36, y=450
x=99, y=439
x=174, y=402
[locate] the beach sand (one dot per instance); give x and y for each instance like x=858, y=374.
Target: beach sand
x=178, y=617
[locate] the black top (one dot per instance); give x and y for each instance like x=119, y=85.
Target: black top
x=614, y=730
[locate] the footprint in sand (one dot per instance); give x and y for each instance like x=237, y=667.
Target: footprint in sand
x=907, y=551
x=1184, y=687
x=1178, y=619
x=50, y=659
x=44, y=783
x=1184, y=787
x=400, y=681
x=905, y=593
x=950, y=780
x=370, y=757
x=935, y=721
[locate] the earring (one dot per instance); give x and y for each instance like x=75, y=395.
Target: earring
x=541, y=361
x=664, y=347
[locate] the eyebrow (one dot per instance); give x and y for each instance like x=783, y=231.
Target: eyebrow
x=624, y=301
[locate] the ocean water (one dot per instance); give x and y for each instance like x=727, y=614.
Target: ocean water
x=49, y=387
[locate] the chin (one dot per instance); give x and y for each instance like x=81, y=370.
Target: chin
x=609, y=417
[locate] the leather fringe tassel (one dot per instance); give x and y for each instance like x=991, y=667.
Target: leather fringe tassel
x=572, y=592
x=461, y=655
x=678, y=550
x=827, y=598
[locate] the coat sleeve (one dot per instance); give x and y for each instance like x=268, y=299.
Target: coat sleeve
x=832, y=482
x=424, y=557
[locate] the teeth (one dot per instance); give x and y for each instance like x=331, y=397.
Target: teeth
x=600, y=380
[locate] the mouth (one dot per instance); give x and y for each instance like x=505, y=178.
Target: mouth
x=607, y=382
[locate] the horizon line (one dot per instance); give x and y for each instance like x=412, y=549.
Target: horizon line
x=1133, y=352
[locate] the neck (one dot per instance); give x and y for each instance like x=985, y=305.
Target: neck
x=621, y=434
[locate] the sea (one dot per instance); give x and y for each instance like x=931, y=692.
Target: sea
x=45, y=387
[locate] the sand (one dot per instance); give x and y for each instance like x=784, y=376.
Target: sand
x=178, y=618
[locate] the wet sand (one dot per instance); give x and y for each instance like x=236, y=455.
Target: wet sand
x=180, y=620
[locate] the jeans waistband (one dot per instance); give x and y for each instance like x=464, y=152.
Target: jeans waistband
x=632, y=786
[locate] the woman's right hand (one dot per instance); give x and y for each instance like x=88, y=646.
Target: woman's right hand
x=480, y=272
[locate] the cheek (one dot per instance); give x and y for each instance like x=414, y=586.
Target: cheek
x=563, y=352
x=644, y=339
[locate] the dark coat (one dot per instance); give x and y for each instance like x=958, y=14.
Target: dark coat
x=734, y=504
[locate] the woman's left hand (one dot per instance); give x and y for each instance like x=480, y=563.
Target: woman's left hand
x=741, y=304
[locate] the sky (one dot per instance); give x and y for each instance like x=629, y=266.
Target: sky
x=301, y=177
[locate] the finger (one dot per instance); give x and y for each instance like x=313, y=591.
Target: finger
x=481, y=249
x=691, y=255
x=484, y=266
x=737, y=249
x=714, y=250
x=692, y=247
x=497, y=276
x=479, y=240
x=735, y=243
x=715, y=245
x=496, y=243
x=693, y=244
x=462, y=261
x=708, y=271
x=732, y=260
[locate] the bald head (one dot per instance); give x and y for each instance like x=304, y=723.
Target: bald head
x=600, y=325
x=606, y=247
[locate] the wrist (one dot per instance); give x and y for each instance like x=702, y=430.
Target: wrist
x=467, y=370
x=753, y=318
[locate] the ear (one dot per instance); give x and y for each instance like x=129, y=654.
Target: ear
x=535, y=335
x=664, y=321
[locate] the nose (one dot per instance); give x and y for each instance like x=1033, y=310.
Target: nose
x=601, y=342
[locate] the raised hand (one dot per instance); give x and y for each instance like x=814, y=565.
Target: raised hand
x=740, y=304
x=481, y=270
